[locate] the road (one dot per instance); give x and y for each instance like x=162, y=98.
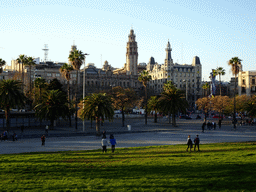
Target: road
x=171, y=137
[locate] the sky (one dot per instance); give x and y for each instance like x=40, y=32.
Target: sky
x=213, y=30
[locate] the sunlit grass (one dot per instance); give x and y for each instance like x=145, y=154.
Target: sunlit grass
x=218, y=167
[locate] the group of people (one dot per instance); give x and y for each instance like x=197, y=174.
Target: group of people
x=105, y=142
x=4, y=136
x=190, y=143
x=210, y=125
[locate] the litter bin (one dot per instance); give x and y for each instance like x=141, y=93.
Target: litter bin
x=129, y=127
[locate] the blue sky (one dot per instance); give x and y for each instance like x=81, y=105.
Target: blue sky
x=213, y=30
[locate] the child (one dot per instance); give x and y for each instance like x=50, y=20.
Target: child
x=113, y=142
x=104, y=143
x=189, y=143
x=43, y=140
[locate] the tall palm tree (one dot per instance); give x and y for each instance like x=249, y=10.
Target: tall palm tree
x=236, y=66
x=52, y=106
x=22, y=59
x=206, y=87
x=65, y=70
x=76, y=58
x=219, y=71
x=145, y=78
x=98, y=105
x=2, y=63
x=153, y=104
x=30, y=62
x=172, y=100
x=11, y=96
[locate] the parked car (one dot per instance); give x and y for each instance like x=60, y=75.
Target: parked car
x=185, y=117
x=198, y=117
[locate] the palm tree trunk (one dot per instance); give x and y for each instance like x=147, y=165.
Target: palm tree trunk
x=22, y=77
x=173, y=119
x=7, y=116
x=234, y=116
x=122, y=116
x=146, y=108
x=30, y=78
x=97, y=126
x=220, y=84
x=76, y=98
x=169, y=117
x=70, y=119
x=155, y=121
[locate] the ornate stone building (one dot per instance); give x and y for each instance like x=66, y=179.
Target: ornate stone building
x=185, y=77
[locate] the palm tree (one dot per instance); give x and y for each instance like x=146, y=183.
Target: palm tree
x=2, y=63
x=219, y=71
x=65, y=71
x=98, y=105
x=172, y=100
x=236, y=66
x=11, y=96
x=30, y=62
x=76, y=58
x=206, y=87
x=145, y=78
x=153, y=104
x=52, y=106
x=22, y=59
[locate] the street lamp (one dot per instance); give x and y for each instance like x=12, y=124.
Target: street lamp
x=84, y=89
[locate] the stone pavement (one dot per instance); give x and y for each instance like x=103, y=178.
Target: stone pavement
x=115, y=127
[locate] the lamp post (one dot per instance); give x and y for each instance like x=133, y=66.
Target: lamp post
x=84, y=89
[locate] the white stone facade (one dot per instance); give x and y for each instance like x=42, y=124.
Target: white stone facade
x=182, y=76
x=247, y=83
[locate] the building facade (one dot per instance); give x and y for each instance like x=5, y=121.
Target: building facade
x=185, y=77
x=246, y=83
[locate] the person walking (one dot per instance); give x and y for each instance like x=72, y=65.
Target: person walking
x=214, y=125
x=196, y=142
x=104, y=143
x=43, y=140
x=113, y=143
x=46, y=129
x=219, y=123
x=189, y=143
x=203, y=126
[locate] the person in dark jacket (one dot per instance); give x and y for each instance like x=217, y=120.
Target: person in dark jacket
x=196, y=142
x=203, y=126
x=43, y=140
x=113, y=143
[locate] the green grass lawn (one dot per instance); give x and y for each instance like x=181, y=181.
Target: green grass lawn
x=217, y=167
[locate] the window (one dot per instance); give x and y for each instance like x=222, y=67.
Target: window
x=73, y=75
x=49, y=74
x=253, y=81
x=192, y=74
x=57, y=74
x=243, y=82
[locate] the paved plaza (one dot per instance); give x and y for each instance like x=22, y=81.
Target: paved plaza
x=161, y=133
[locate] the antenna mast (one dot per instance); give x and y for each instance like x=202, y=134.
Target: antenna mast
x=45, y=52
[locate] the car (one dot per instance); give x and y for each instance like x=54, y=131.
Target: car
x=198, y=117
x=185, y=117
